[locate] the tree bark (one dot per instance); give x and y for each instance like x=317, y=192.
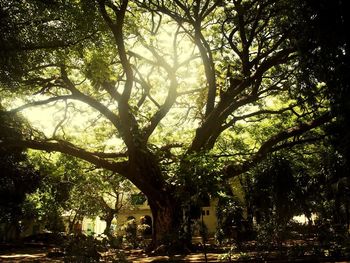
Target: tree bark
x=147, y=176
x=166, y=221
x=109, y=217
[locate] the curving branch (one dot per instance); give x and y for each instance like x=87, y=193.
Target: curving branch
x=209, y=68
x=195, y=19
x=70, y=149
x=50, y=45
x=60, y=123
x=110, y=154
x=78, y=95
x=41, y=102
x=164, y=109
x=117, y=30
x=271, y=144
x=130, y=128
x=172, y=91
x=261, y=112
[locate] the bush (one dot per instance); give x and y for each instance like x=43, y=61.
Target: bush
x=82, y=248
x=130, y=229
x=46, y=238
x=143, y=229
x=270, y=234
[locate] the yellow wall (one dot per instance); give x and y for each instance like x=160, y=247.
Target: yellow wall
x=97, y=225
x=209, y=220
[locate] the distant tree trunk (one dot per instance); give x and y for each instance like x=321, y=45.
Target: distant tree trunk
x=108, y=218
x=13, y=231
x=72, y=223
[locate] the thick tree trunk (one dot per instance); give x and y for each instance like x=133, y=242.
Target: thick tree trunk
x=166, y=223
x=166, y=209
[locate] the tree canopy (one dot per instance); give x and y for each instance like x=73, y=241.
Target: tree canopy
x=141, y=88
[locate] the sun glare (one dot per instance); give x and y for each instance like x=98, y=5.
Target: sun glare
x=170, y=46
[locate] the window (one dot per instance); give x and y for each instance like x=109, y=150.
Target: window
x=205, y=212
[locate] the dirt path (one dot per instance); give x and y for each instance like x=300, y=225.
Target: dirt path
x=39, y=254
x=138, y=257
x=27, y=255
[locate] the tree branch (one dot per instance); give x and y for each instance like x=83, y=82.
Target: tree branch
x=42, y=102
x=70, y=149
x=267, y=147
x=78, y=95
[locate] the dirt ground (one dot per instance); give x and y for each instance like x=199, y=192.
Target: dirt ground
x=39, y=254
x=30, y=254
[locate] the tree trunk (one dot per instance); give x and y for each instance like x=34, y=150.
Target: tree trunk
x=72, y=223
x=109, y=217
x=166, y=209
x=166, y=222
x=13, y=231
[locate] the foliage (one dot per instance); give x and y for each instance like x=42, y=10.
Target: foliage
x=31, y=28
x=176, y=96
x=18, y=179
x=274, y=190
x=81, y=248
x=324, y=48
x=73, y=186
x=130, y=228
x=270, y=234
x=229, y=213
x=144, y=230
x=333, y=202
x=198, y=180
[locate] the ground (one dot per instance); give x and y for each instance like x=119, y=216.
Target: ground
x=39, y=252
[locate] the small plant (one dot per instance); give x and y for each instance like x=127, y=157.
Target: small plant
x=116, y=256
x=82, y=248
x=203, y=231
x=229, y=256
x=115, y=241
x=143, y=229
x=130, y=229
x=243, y=256
x=296, y=251
x=219, y=236
x=271, y=234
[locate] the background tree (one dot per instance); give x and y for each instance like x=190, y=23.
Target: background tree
x=225, y=85
x=104, y=195
x=18, y=179
x=77, y=190
x=324, y=56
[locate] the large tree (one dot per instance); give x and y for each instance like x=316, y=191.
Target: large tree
x=145, y=86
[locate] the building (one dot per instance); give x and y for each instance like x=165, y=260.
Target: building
x=139, y=210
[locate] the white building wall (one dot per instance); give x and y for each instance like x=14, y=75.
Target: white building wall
x=94, y=226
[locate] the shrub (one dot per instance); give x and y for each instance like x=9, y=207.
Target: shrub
x=130, y=229
x=82, y=248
